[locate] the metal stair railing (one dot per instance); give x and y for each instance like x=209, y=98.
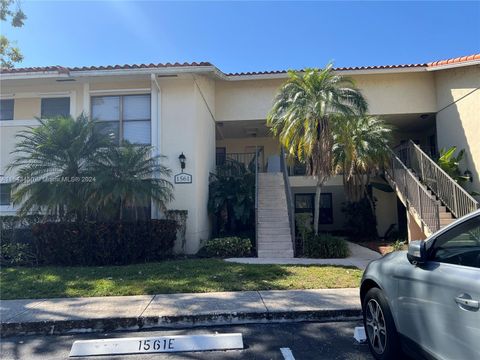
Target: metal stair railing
x=416, y=195
x=288, y=192
x=450, y=193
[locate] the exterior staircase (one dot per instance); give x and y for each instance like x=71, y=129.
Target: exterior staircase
x=274, y=235
x=430, y=195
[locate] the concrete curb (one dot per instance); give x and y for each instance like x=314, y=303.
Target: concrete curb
x=63, y=327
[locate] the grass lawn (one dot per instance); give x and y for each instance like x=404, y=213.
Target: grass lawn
x=175, y=276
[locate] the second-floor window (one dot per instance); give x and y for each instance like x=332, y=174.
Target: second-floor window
x=124, y=117
x=6, y=109
x=53, y=107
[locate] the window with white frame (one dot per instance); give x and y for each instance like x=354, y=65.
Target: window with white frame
x=6, y=109
x=53, y=107
x=125, y=117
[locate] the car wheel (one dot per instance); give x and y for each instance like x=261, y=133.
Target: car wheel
x=380, y=329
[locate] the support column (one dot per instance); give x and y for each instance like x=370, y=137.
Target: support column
x=414, y=231
x=155, y=127
x=86, y=99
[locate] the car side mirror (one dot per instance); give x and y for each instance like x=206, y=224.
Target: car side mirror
x=417, y=252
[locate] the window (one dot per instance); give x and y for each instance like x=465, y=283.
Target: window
x=460, y=245
x=6, y=109
x=304, y=203
x=53, y=107
x=326, y=209
x=123, y=117
x=5, y=194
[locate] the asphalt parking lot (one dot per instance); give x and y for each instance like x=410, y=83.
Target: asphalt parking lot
x=304, y=341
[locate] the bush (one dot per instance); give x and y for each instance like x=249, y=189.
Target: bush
x=326, y=246
x=398, y=245
x=17, y=254
x=17, y=241
x=226, y=247
x=98, y=243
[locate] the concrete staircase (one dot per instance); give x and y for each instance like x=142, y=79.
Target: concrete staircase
x=274, y=233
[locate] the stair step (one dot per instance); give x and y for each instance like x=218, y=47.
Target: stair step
x=279, y=223
x=274, y=238
x=274, y=233
x=445, y=215
x=275, y=246
x=284, y=254
x=446, y=221
x=265, y=212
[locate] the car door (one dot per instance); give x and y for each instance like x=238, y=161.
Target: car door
x=438, y=301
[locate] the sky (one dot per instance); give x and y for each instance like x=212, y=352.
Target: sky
x=245, y=36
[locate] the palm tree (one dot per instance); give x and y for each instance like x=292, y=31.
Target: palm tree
x=360, y=149
x=127, y=177
x=302, y=114
x=51, y=161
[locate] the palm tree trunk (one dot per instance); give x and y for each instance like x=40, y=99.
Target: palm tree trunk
x=316, y=214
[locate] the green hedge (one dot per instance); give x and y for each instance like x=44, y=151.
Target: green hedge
x=95, y=243
x=226, y=247
x=17, y=241
x=326, y=246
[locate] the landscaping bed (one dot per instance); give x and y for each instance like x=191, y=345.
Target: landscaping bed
x=381, y=246
x=172, y=276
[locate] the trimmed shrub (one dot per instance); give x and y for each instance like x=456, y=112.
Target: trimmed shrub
x=326, y=246
x=17, y=241
x=98, y=243
x=226, y=247
x=16, y=253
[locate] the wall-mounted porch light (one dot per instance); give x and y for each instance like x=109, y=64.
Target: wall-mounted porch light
x=468, y=174
x=182, y=159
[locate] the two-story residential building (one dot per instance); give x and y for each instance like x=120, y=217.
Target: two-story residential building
x=208, y=115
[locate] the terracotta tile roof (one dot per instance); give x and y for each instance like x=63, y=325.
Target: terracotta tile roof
x=62, y=69
x=457, y=60
x=336, y=69
x=66, y=70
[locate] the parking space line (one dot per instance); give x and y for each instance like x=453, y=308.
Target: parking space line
x=287, y=353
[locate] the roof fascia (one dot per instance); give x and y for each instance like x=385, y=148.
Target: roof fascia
x=109, y=72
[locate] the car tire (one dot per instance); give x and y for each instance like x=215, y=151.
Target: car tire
x=382, y=336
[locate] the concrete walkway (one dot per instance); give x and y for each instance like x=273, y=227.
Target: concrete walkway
x=359, y=257
x=70, y=315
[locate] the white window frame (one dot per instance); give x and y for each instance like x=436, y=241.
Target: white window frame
x=121, y=94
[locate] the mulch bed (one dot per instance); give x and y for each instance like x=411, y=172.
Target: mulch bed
x=378, y=246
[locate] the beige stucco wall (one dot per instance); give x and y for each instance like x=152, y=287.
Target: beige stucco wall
x=28, y=94
x=187, y=126
x=398, y=93
x=28, y=108
x=204, y=93
x=459, y=124
x=385, y=210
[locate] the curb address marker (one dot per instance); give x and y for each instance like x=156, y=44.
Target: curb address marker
x=157, y=344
